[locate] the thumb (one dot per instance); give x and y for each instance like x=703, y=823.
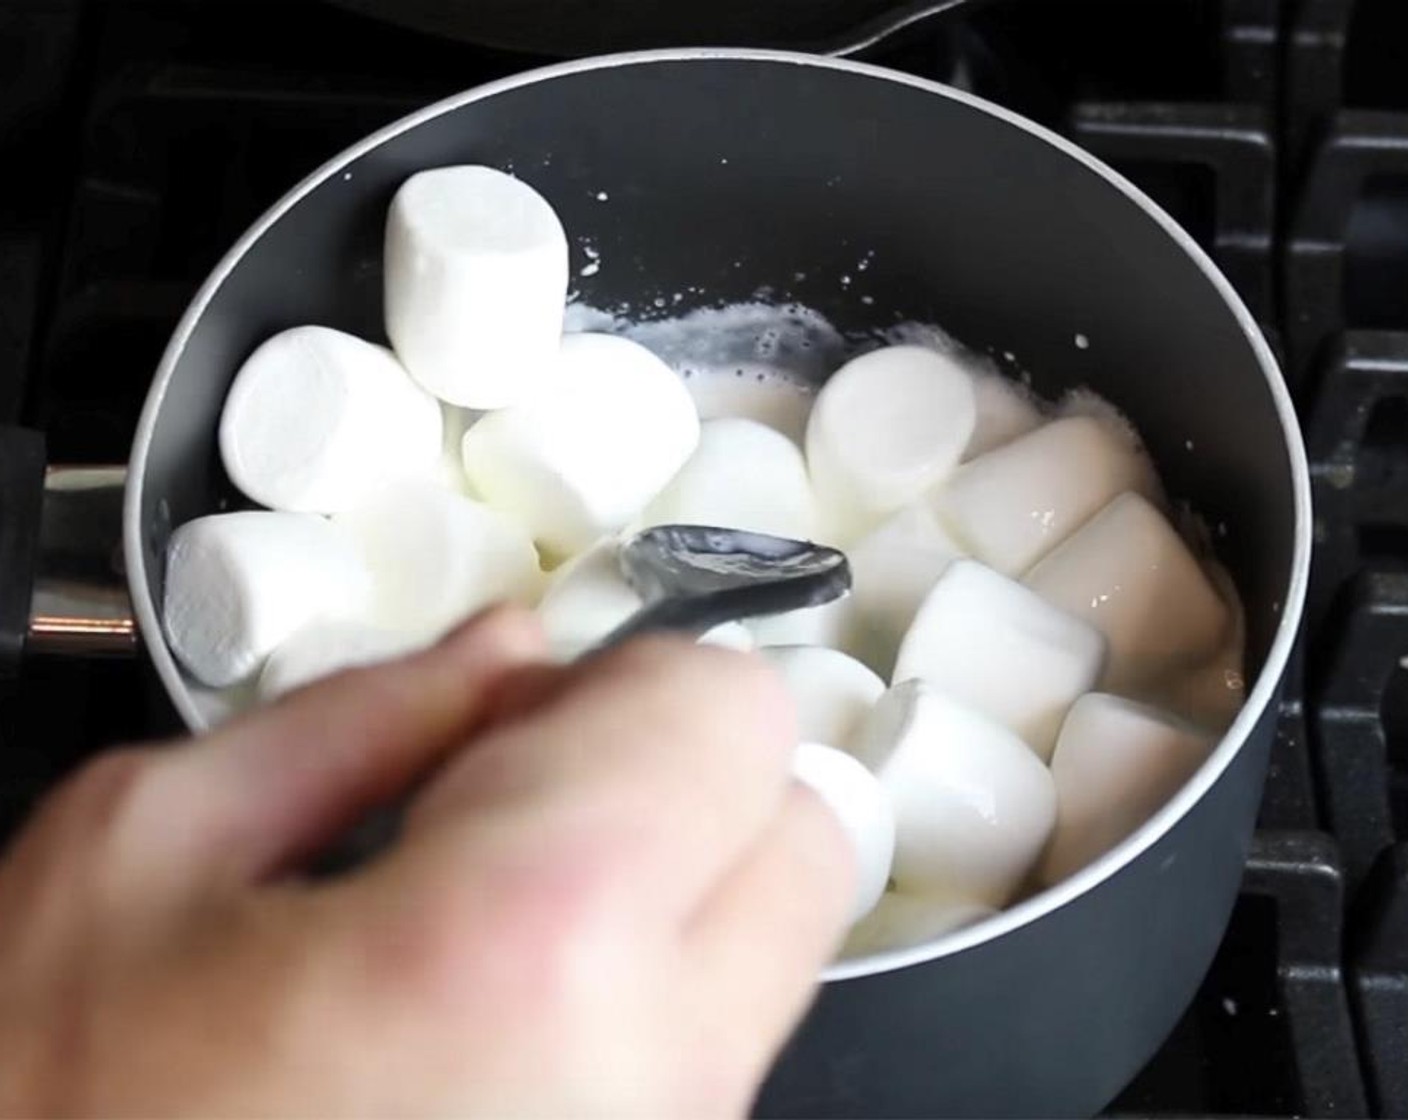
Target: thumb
x=276, y=786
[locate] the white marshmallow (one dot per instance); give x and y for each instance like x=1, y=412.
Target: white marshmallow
x=585, y=600
x=1005, y=410
x=437, y=557
x=811, y=626
x=476, y=281
x=1012, y=506
x=1001, y=649
x=583, y=458
x=973, y=805
x=742, y=475
x=324, y=647
x=885, y=429
x=238, y=584
x=1117, y=762
x=588, y=597
x=893, y=568
x=450, y=469
x=729, y=635
x=833, y=693
x=317, y=419
x=1127, y=572
x=757, y=395
x=853, y=794
x=904, y=921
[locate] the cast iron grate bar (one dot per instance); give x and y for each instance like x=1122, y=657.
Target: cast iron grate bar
x=1302, y=872
x=1363, y=154
x=1234, y=144
x=1353, y=751
x=1357, y=441
x=1378, y=968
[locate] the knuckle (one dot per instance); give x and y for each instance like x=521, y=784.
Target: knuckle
x=719, y=692
x=536, y=940
x=106, y=788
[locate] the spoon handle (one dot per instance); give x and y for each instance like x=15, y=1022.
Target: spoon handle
x=690, y=617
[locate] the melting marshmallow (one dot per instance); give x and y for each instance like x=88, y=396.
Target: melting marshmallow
x=1116, y=764
x=729, y=635
x=583, y=459
x=893, y=569
x=1001, y=649
x=1012, y=506
x=885, y=429
x=833, y=693
x=811, y=626
x=1005, y=411
x=317, y=419
x=476, y=280
x=905, y=921
x=1127, y=572
x=585, y=600
x=588, y=597
x=760, y=396
x=325, y=647
x=742, y=475
x=437, y=557
x=852, y=793
x=973, y=805
x=239, y=584
x=1209, y=695
x=450, y=470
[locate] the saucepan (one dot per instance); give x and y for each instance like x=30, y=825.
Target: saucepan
x=729, y=171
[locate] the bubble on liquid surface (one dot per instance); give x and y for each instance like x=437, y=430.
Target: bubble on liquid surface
x=791, y=342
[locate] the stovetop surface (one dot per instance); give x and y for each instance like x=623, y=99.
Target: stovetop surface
x=138, y=139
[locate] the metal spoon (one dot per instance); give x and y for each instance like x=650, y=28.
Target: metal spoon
x=691, y=578
x=695, y=577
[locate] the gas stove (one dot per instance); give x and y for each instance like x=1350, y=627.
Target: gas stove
x=140, y=137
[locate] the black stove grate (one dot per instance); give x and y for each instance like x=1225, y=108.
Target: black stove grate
x=141, y=137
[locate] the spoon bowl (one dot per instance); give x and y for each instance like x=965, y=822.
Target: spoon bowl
x=695, y=577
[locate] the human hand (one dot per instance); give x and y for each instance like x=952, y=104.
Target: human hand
x=608, y=898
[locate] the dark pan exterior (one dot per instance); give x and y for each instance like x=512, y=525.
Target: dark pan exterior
x=730, y=171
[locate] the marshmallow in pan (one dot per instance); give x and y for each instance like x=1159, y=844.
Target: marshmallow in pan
x=833, y=692
x=893, y=569
x=239, y=584
x=1116, y=764
x=325, y=647
x=450, y=470
x=1209, y=695
x=1005, y=410
x=902, y=920
x=885, y=429
x=1127, y=572
x=585, y=600
x=436, y=557
x=1012, y=506
x=1001, y=649
x=583, y=458
x=852, y=793
x=317, y=419
x=973, y=805
x=729, y=635
x=476, y=281
x=811, y=626
x=743, y=475
x=588, y=597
